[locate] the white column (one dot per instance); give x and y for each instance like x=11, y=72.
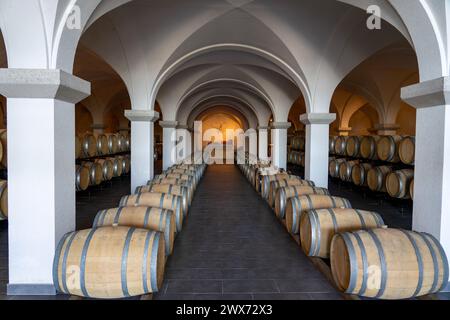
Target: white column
x=432, y=164
x=185, y=142
x=142, y=145
x=317, y=146
x=169, y=143
x=263, y=140
x=41, y=171
x=279, y=141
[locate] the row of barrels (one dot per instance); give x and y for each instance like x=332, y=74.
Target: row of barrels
x=90, y=145
x=93, y=173
x=393, y=149
x=296, y=157
x=297, y=143
x=397, y=183
x=125, y=253
x=367, y=258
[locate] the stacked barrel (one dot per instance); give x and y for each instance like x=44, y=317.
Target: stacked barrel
x=296, y=150
x=381, y=163
x=125, y=252
x=367, y=258
x=101, y=158
x=3, y=183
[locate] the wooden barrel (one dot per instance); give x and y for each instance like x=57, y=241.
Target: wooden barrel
x=285, y=193
x=157, y=200
x=77, y=147
x=341, y=145
x=388, y=264
x=398, y=183
x=296, y=206
x=318, y=227
x=352, y=147
x=376, y=178
x=275, y=185
x=3, y=200
x=117, y=166
x=126, y=164
x=266, y=180
x=332, y=145
x=368, y=147
x=107, y=167
x=128, y=143
x=95, y=173
x=82, y=178
x=345, y=170
x=184, y=177
x=154, y=219
x=121, y=143
x=184, y=172
x=177, y=182
x=387, y=148
x=110, y=263
x=88, y=146
x=407, y=150
x=113, y=143
x=298, y=143
x=359, y=174
x=333, y=167
x=102, y=145
x=411, y=189
x=4, y=143
x=176, y=190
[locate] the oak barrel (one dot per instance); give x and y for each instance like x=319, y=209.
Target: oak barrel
x=353, y=146
x=376, y=178
x=95, y=173
x=398, y=183
x=117, y=164
x=266, y=180
x=110, y=263
x=154, y=219
x=368, y=147
x=113, y=143
x=296, y=206
x=82, y=178
x=318, y=227
x=285, y=193
x=388, y=264
x=4, y=143
x=107, y=168
x=121, y=143
x=387, y=148
x=157, y=200
x=341, y=145
x=345, y=170
x=177, y=190
x=3, y=200
x=359, y=174
x=88, y=146
x=102, y=145
x=333, y=167
x=407, y=150
x=275, y=185
x=173, y=181
x=77, y=147
x=332, y=145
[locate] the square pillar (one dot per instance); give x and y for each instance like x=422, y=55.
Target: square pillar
x=432, y=165
x=317, y=146
x=169, y=143
x=41, y=171
x=263, y=143
x=279, y=141
x=184, y=143
x=142, y=145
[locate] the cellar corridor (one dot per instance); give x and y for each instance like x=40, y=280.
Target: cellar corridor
x=233, y=247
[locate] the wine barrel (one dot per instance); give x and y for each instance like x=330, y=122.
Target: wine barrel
x=407, y=150
x=88, y=146
x=176, y=190
x=157, y=200
x=298, y=143
x=95, y=173
x=285, y=193
x=332, y=145
x=184, y=177
x=341, y=145
x=154, y=219
x=117, y=166
x=121, y=143
x=398, y=183
x=177, y=182
x=352, y=147
x=82, y=178
x=376, y=178
x=107, y=168
x=266, y=180
x=368, y=147
x=77, y=147
x=4, y=143
x=387, y=148
x=3, y=200
x=126, y=164
x=345, y=170
x=184, y=172
x=333, y=167
x=102, y=145
x=275, y=185
x=318, y=227
x=296, y=206
x=359, y=174
x=388, y=264
x=411, y=189
x=110, y=263
x=113, y=143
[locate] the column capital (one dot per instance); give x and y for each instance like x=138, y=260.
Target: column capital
x=141, y=115
x=317, y=118
x=281, y=125
x=98, y=126
x=43, y=84
x=428, y=94
x=168, y=124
